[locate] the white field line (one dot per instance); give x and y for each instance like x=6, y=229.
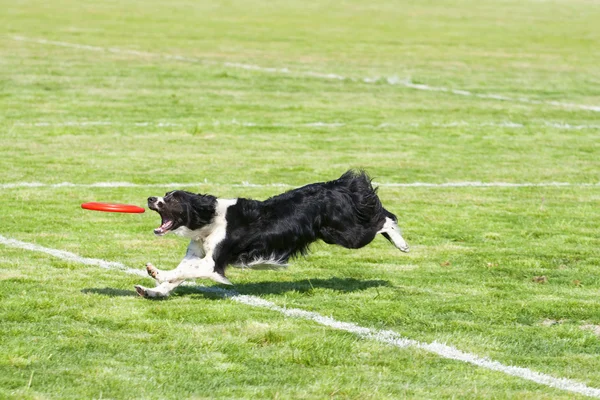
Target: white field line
x=383, y=336
x=317, y=124
x=65, y=255
x=407, y=83
x=15, y=185
x=167, y=124
x=389, y=80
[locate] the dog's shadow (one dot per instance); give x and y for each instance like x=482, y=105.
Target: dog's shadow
x=110, y=292
x=343, y=285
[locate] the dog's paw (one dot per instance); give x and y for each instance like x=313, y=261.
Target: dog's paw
x=150, y=293
x=141, y=291
x=153, y=272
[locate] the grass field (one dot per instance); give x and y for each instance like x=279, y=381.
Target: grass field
x=250, y=98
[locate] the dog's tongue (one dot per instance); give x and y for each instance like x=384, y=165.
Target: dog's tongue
x=161, y=230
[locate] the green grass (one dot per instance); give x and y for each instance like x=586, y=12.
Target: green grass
x=75, y=331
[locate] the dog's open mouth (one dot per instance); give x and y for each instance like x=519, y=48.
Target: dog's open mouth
x=166, y=225
x=167, y=221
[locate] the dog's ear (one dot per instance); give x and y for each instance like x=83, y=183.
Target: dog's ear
x=217, y=277
x=201, y=209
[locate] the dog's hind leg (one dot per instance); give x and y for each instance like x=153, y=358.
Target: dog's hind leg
x=391, y=232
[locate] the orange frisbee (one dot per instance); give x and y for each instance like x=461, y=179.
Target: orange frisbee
x=112, y=207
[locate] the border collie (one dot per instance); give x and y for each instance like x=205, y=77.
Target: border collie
x=250, y=233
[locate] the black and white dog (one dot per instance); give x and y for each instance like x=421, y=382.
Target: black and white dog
x=248, y=233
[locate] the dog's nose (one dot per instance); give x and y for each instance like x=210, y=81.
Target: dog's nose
x=152, y=200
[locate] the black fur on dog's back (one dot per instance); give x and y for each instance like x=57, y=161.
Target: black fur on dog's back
x=345, y=211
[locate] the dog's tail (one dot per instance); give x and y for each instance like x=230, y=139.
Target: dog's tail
x=366, y=204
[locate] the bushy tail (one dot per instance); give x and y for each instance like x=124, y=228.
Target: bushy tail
x=366, y=204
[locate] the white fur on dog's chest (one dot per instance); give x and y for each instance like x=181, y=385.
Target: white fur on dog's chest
x=196, y=234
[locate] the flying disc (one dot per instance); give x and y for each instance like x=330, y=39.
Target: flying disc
x=112, y=207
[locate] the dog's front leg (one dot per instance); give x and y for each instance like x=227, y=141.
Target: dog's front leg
x=198, y=263
x=167, y=280
x=203, y=268
x=196, y=269
x=162, y=290
x=195, y=252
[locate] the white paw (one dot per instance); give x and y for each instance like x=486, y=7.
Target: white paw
x=154, y=272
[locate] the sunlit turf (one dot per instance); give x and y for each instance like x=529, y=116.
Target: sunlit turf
x=508, y=273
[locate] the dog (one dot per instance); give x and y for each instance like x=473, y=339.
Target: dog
x=250, y=233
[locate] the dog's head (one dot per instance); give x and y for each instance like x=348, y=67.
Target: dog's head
x=182, y=209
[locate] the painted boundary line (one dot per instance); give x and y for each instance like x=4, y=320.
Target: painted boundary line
x=67, y=256
x=389, y=80
x=16, y=185
x=317, y=124
x=382, y=336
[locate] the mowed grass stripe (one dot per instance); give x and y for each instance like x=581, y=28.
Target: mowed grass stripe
x=317, y=124
x=384, y=336
x=229, y=155
x=13, y=185
x=394, y=81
